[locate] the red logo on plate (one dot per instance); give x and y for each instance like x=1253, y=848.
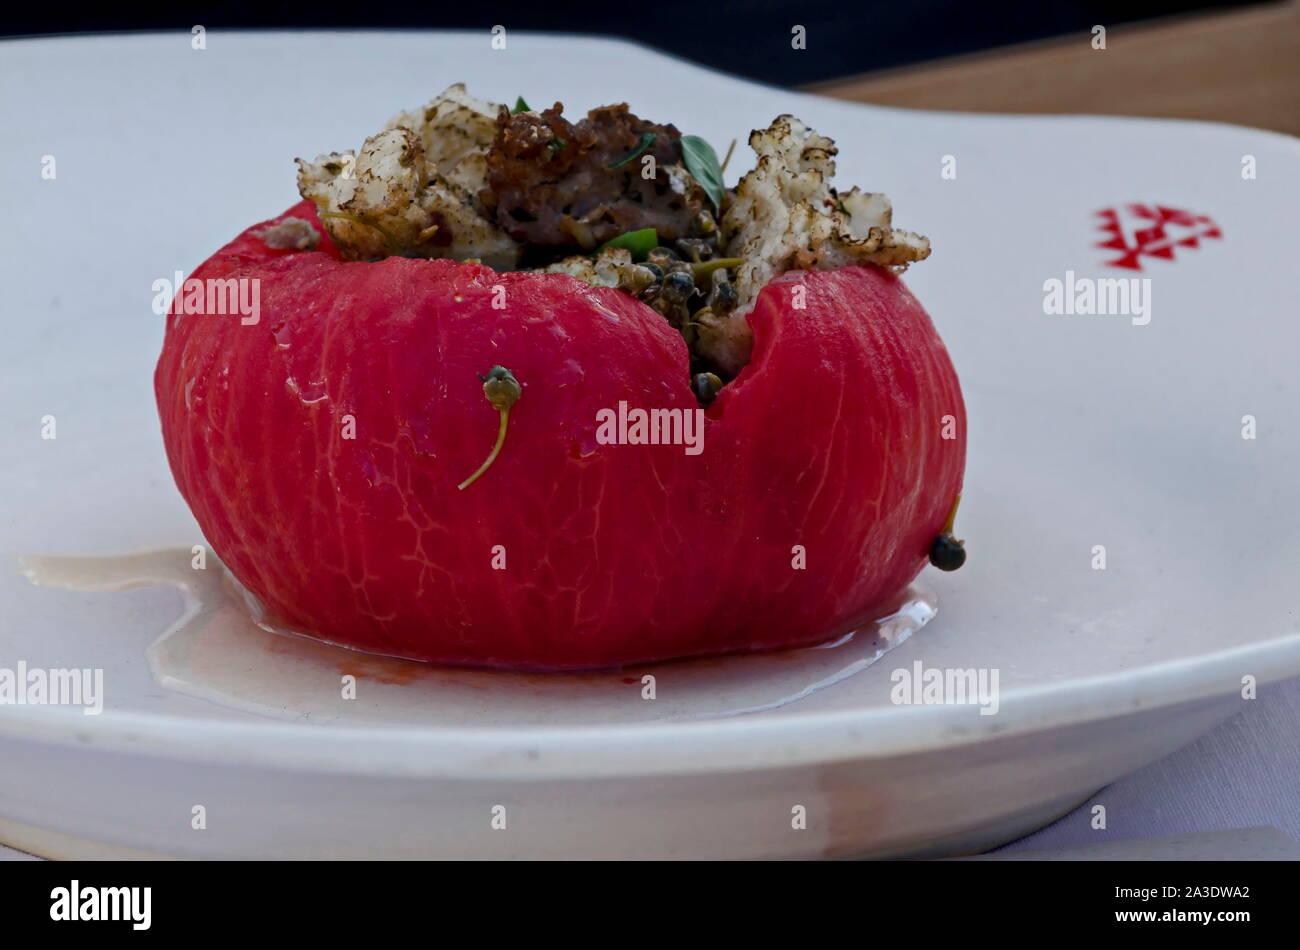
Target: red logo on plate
x=1152, y=231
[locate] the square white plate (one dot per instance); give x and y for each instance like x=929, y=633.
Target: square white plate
x=1085, y=431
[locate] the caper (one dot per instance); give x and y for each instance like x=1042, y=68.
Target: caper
x=677, y=286
x=706, y=387
x=671, y=310
x=654, y=269
x=723, y=296
x=635, y=278
x=502, y=391
x=694, y=249
x=662, y=256
x=947, y=553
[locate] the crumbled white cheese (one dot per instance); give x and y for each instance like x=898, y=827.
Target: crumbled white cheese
x=602, y=270
x=291, y=234
x=786, y=216
x=414, y=188
x=457, y=130
x=679, y=179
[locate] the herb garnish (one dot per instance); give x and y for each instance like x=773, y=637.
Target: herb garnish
x=647, y=139
x=726, y=159
x=640, y=243
x=520, y=106
x=702, y=269
x=702, y=162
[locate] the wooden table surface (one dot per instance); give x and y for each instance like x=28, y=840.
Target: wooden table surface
x=1240, y=66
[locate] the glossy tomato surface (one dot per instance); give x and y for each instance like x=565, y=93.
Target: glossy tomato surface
x=320, y=449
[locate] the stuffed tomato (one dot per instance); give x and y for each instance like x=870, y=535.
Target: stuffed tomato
x=538, y=394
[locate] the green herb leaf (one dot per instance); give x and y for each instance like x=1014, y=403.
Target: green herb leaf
x=702, y=162
x=520, y=106
x=556, y=144
x=640, y=243
x=647, y=139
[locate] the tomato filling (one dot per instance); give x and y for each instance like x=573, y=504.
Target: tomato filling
x=611, y=199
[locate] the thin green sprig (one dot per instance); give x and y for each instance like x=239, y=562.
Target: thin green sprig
x=503, y=391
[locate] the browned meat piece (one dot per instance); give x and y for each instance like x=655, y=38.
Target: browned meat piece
x=550, y=181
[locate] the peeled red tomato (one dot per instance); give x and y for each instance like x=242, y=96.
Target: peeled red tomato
x=320, y=450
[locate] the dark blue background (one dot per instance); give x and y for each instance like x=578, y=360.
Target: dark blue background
x=750, y=39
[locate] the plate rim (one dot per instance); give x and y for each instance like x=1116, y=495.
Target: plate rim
x=740, y=743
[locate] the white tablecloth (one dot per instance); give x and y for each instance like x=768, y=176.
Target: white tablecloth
x=1244, y=773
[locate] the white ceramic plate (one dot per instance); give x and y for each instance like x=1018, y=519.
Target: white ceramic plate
x=1084, y=431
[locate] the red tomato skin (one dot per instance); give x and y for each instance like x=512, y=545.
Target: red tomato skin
x=320, y=450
